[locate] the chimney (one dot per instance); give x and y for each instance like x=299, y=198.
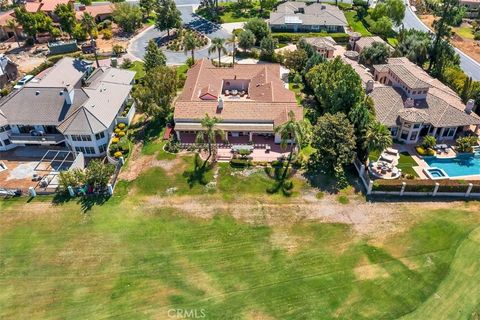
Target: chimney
x=409, y=103
x=82, y=7
x=220, y=104
x=470, y=105
x=369, y=86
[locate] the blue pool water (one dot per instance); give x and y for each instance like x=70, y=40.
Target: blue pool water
x=461, y=165
x=436, y=173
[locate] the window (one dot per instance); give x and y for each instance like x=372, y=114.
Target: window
x=449, y=132
x=102, y=148
x=76, y=137
x=100, y=135
x=4, y=128
x=394, y=131
x=416, y=126
x=414, y=135
x=404, y=135
x=85, y=150
x=7, y=142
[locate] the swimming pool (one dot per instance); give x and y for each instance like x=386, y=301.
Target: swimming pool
x=461, y=165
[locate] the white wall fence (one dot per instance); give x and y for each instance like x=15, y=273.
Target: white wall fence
x=404, y=186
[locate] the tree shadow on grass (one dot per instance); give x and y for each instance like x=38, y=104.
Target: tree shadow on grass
x=197, y=175
x=281, y=183
x=328, y=183
x=86, y=202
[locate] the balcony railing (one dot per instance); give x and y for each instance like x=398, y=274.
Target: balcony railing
x=22, y=138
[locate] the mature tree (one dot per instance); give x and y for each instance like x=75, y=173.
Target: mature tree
x=13, y=25
x=190, y=43
x=168, y=16
x=293, y=133
x=334, y=142
x=86, y=2
x=233, y=41
x=33, y=23
x=314, y=60
x=267, y=47
x=78, y=33
x=378, y=137
x=154, y=96
x=266, y=5
x=246, y=40
x=296, y=60
x=361, y=117
x=336, y=85
x=218, y=46
x=377, y=53
x=98, y=174
x=210, y=9
x=447, y=10
x=414, y=45
x=88, y=24
x=209, y=135
x=128, y=16
x=379, y=11
x=71, y=178
x=304, y=45
x=446, y=56
x=154, y=57
x=382, y=26
x=66, y=17
x=259, y=27
x=146, y=6
x=396, y=11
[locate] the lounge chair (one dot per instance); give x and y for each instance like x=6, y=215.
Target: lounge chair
x=386, y=157
x=392, y=151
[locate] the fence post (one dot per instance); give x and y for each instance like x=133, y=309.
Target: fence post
x=362, y=170
x=32, y=192
x=404, y=184
x=110, y=189
x=469, y=190
x=435, y=190
x=370, y=187
x=122, y=160
x=70, y=191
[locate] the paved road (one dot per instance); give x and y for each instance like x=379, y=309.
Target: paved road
x=469, y=66
x=138, y=44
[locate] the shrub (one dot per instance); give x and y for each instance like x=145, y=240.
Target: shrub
x=115, y=140
x=121, y=125
x=288, y=185
x=466, y=144
x=117, y=130
x=126, y=64
x=240, y=163
x=429, y=142
x=107, y=34
x=424, y=152
x=118, y=154
x=476, y=35
x=121, y=134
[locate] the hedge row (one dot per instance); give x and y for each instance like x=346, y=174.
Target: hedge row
x=286, y=37
x=426, y=185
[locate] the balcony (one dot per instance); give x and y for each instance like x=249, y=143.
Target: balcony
x=46, y=139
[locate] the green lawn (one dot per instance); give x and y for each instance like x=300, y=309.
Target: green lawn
x=356, y=24
x=137, y=66
x=231, y=12
x=131, y=260
x=464, y=32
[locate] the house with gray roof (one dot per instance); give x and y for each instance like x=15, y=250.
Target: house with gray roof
x=413, y=104
x=294, y=16
x=72, y=105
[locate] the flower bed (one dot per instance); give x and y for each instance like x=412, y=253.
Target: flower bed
x=177, y=43
x=119, y=145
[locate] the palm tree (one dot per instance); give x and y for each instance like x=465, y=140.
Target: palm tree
x=233, y=41
x=292, y=132
x=190, y=43
x=209, y=135
x=218, y=44
x=13, y=24
x=89, y=25
x=378, y=137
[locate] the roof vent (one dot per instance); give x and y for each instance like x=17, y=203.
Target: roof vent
x=37, y=93
x=470, y=105
x=61, y=93
x=220, y=104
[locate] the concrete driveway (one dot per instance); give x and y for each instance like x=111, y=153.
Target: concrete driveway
x=138, y=44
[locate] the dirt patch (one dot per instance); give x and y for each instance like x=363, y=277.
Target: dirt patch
x=367, y=271
x=257, y=315
x=200, y=279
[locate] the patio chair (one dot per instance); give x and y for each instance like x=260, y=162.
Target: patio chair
x=386, y=157
x=227, y=92
x=392, y=151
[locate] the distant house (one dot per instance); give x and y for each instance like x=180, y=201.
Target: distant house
x=293, y=16
x=8, y=70
x=473, y=8
x=250, y=99
x=364, y=42
x=72, y=105
x=100, y=11
x=46, y=6
x=5, y=31
x=325, y=46
x=413, y=104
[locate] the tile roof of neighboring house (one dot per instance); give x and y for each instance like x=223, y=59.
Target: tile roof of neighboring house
x=326, y=43
x=5, y=17
x=66, y=72
x=32, y=6
x=269, y=100
x=314, y=14
x=365, y=42
x=94, y=107
x=389, y=106
x=50, y=5
x=94, y=11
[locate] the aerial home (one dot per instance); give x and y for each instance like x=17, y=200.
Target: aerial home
x=413, y=104
x=72, y=105
x=293, y=16
x=251, y=100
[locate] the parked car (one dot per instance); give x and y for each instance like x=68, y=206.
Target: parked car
x=22, y=82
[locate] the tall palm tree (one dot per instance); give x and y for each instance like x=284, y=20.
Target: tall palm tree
x=218, y=44
x=89, y=25
x=378, y=137
x=190, y=43
x=209, y=135
x=233, y=41
x=292, y=132
x=13, y=24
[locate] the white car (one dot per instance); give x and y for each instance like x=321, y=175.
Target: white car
x=23, y=81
